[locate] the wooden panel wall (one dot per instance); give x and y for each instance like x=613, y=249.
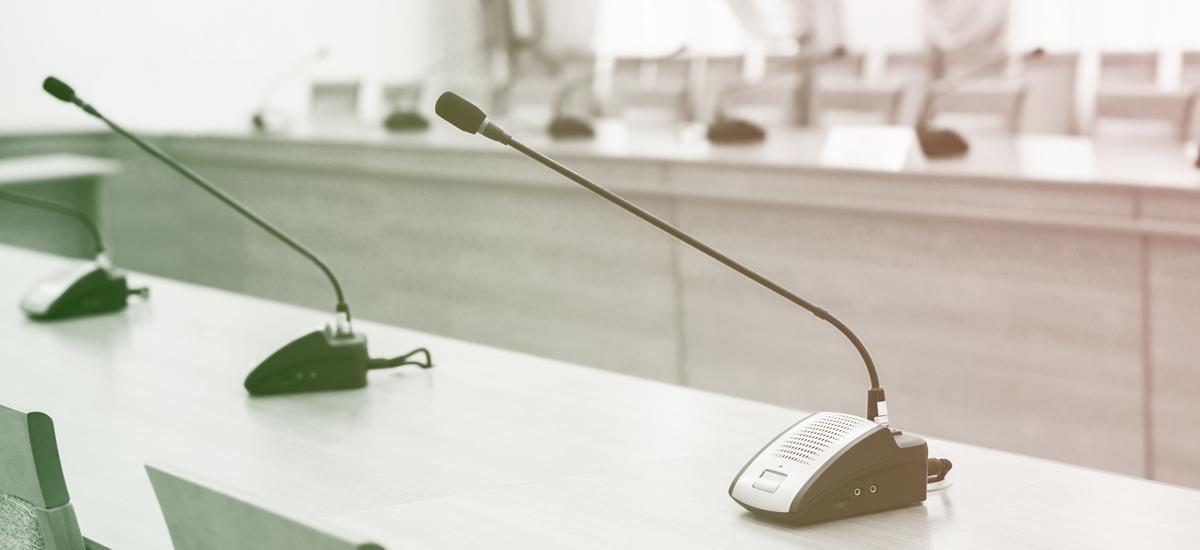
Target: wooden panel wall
x=1173, y=266
x=545, y=269
x=988, y=334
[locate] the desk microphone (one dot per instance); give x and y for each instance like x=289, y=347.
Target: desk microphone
x=944, y=142
x=828, y=465
x=726, y=129
x=260, y=119
x=564, y=125
x=89, y=289
x=329, y=359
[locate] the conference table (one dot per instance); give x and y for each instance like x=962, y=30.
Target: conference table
x=1025, y=281
x=488, y=449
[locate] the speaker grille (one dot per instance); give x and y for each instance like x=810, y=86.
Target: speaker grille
x=814, y=437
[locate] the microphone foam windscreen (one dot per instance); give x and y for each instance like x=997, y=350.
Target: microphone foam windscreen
x=58, y=88
x=459, y=112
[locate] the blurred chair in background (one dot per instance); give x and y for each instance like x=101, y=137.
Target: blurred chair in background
x=845, y=96
x=1124, y=70
x=1189, y=79
x=652, y=90
x=993, y=104
x=335, y=104
x=1129, y=100
x=35, y=508
x=1052, y=100
x=200, y=517
x=809, y=29
x=1189, y=72
x=973, y=82
x=721, y=73
x=541, y=59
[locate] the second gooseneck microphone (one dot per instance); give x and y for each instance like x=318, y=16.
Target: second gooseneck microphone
x=467, y=117
x=335, y=358
x=89, y=289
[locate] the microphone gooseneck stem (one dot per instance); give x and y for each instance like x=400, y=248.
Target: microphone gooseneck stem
x=714, y=254
x=944, y=86
x=233, y=203
x=729, y=93
x=57, y=208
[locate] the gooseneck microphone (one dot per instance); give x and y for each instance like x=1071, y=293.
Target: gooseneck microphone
x=826, y=466
x=62, y=91
x=335, y=358
x=944, y=142
x=467, y=117
x=48, y=206
x=728, y=129
x=260, y=118
x=89, y=289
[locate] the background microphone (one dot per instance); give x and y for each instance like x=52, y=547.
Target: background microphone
x=334, y=358
x=467, y=117
x=564, y=125
x=86, y=290
x=941, y=143
x=260, y=118
x=727, y=129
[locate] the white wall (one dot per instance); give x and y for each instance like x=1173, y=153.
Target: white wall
x=197, y=66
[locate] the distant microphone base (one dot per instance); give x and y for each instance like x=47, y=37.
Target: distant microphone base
x=259, y=122
x=570, y=127
x=405, y=121
x=734, y=130
x=90, y=289
x=942, y=143
x=322, y=360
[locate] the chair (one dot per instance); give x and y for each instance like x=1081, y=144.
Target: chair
x=201, y=517
x=650, y=90
x=335, y=104
x=335, y=99
x=1189, y=73
x=844, y=95
x=1189, y=78
x=721, y=74
x=35, y=509
x=836, y=98
x=1128, y=93
x=910, y=67
x=1051, y=104
x=1122, y=68
x=995, y=100
x=988, y=99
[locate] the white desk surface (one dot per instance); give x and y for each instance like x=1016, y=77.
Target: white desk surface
x=490, y=449
x=33, y=169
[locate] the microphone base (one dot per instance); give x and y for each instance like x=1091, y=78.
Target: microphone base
x=259, y=122
x=405, y=121
x=317, y=361
x=89, y=289
x=570, y=127
x=832, y=466
x=734, y=130
x=942, y=143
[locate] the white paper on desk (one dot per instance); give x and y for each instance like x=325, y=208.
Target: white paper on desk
x=1056, y=157
x=888, y=148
